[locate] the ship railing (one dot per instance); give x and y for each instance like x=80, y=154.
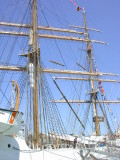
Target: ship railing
x=53, y=146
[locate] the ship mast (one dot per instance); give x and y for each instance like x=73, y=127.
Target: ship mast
x=93, y=92
x=34, y=59
x=35, y=69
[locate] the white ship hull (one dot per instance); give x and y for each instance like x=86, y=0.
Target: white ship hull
x=15, y=148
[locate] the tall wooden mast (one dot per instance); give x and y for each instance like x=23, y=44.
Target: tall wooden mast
x=93, y=96
x=34, y=55
x=35, y=89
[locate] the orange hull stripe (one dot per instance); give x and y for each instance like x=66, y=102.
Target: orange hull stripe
x=12, y=117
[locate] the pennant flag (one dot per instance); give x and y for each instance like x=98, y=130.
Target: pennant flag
x=99, y=82
x=78, y=9
x=102, y=90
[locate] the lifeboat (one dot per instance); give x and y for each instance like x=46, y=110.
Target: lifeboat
x=10, y=120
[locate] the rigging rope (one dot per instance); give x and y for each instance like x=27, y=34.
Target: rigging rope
x=102, y=91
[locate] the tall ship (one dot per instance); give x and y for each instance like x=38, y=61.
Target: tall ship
x=53, y=98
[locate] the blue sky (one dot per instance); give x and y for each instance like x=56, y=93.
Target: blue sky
x=102, y=15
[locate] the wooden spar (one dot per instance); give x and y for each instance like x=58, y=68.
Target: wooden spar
x=41, y=28
x=87, y=79
x=92, y=29
x=69, y=104
x=84, y=101
x=69, y=38
x=51, y=36
x=81, y=66
x=56, y=63
x=57, y=71
x=93, y=98
x=14, y=33
x=18, y=25
x=60, y=30
x=12, y=68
